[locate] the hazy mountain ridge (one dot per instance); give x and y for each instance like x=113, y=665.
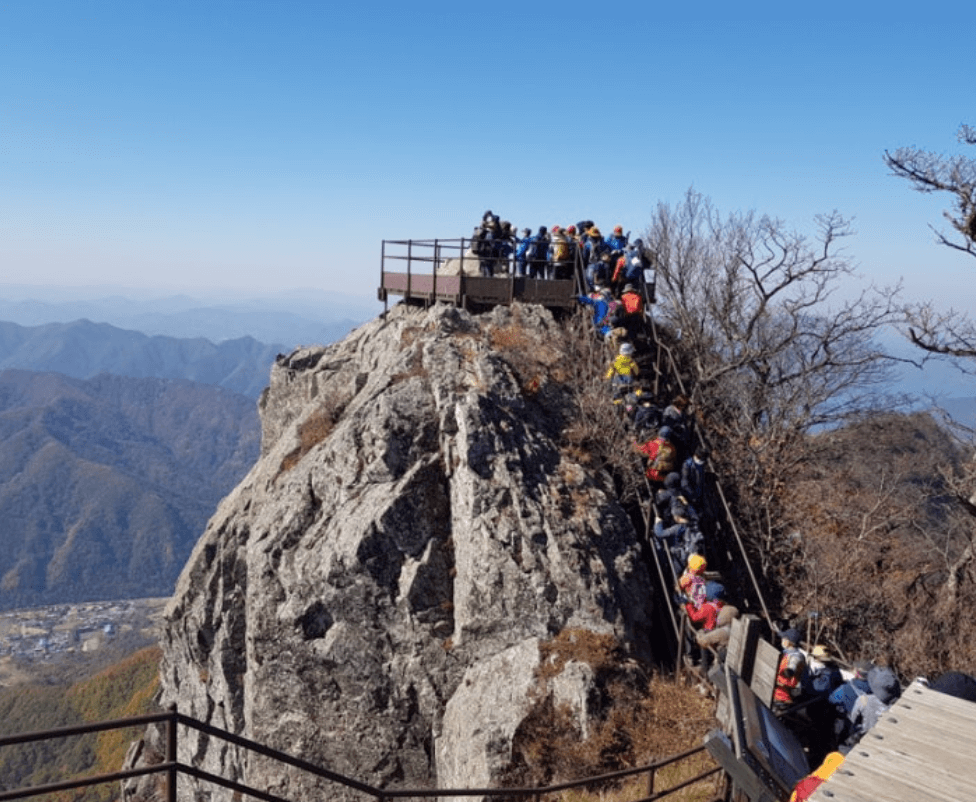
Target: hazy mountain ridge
x=292, y=318
x=105, y=484
x=83, y=349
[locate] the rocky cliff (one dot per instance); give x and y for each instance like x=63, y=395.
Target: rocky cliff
x=380, y=594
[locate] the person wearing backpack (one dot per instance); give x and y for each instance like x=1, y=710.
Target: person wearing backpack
x=561, y=251
x=868, y=707
x=593, y=253
x=623, y=370
x=789, y=673
x=647, y=416
x=661, y=455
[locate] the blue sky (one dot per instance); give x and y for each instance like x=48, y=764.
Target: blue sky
x=273, y=145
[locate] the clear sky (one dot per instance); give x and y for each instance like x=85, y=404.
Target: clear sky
x=271, y=145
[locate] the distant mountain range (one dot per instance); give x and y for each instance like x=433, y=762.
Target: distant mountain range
x=83, y=349
x=116, y=445
x=296, y=317
x=106, y=483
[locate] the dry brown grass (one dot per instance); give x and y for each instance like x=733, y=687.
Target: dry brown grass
x=415, y=368
x=643, y=720
x=312, y=431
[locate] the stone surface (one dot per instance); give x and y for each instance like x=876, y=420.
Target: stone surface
x=373, y=595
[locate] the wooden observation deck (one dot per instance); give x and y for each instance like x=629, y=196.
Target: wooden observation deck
x=428, y=271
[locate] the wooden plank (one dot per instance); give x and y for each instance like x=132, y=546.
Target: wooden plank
x=723, y=713
x=921, y=750
x=764, y=672
x=744, y=778
x=742, y=645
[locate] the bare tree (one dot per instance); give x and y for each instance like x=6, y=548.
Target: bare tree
x=950, y=333
x=770, y=348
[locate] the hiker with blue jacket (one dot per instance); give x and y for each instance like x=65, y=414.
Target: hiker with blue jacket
x=538, y=253
x=521, y=251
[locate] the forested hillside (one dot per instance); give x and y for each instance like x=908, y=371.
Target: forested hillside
x=105, y=484
x=125, y=689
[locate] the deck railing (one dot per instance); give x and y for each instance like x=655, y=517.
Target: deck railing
x=172, y=769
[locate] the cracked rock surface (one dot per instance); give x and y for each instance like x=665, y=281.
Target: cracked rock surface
x=372, y=596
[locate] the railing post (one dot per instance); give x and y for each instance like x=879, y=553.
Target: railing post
x=386, y=302
x=171, y=754
x=409, y=262
x=650, y=781
x=437, y=258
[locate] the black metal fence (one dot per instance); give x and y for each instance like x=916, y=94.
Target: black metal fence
x=171, y=768
x=428, y=271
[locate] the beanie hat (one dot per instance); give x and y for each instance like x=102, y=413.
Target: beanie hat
x=792, y=635
x=696, y=563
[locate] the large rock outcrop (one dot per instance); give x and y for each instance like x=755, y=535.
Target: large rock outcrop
x=374, y=595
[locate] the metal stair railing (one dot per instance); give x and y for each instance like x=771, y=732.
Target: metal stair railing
x=729, y=518
x=172, y=768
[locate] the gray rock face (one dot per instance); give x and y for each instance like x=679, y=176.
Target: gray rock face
x=373, y=595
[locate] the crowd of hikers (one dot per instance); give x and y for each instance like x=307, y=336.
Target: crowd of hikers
x=829, y=706
x=554, y=253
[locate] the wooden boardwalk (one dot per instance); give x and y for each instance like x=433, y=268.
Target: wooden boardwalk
x=922, y=750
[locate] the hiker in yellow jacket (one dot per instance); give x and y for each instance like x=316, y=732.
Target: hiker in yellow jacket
x=623, y=370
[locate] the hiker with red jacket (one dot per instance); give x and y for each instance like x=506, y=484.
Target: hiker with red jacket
x=662, y=456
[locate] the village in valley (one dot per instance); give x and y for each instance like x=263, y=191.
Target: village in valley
x=39, y=637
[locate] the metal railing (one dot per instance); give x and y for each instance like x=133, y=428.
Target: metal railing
x=419, y=270
x=171, y=768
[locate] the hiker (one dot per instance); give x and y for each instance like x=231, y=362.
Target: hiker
x=618, y=240
x=623, y=370
x=693, y=477
x=538, y=253
x=868, y=707
x=789, y=674
x=561, y=254
x=718, y=614
x=692, y=585
x=604, y=308
x=633, y=311
x=594, y=249
x=521, y=251
x=677, y=417
x=822, y=676
x=661, y=456
x=502, y=246
x=681, y=539
x=647, y=416
x=844, y=696
x=820, y=679
x=956, y=683
x=667, y=496
x=716, y=632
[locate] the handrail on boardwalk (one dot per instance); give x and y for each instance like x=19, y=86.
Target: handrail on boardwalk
x=172, y=768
